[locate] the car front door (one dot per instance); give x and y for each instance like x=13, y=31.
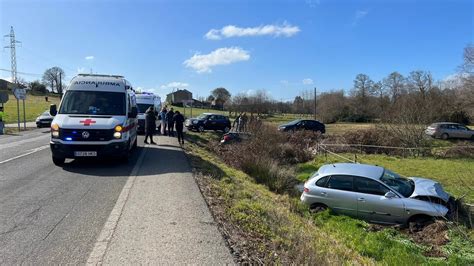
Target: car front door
x=340, y=196
x=211, y=122
x=373, y=206
x=464, y=132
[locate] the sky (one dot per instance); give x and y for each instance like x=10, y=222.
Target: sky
x=283, y=47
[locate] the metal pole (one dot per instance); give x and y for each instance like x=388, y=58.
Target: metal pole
x=18, y=111
x=315, y=103
x=24, y=115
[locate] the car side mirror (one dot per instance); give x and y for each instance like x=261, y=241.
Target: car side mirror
x=390, y=195
x=133, y=113
x=53, y=110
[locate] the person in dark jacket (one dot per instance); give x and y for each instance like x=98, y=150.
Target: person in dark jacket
x=150, y=124
x=170, y=121
x=179, y=121
x=163, y=121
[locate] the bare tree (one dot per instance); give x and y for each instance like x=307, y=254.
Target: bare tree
x=420, y=81
x=52, y=77
x=395, y=84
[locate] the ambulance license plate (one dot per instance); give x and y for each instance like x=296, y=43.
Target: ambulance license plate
x=85, y=153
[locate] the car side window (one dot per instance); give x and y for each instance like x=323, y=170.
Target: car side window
x=462, y=127
x=340, y=182
x=369, y=186
x=211, y=117
x=322, y=182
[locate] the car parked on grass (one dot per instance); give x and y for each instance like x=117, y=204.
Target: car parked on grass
x=375, y=194
x=209, y=121
x=44, y=119
x=300, y=124
x=447, y=130
x=233, y=137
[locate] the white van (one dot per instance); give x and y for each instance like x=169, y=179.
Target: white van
x=97, y=117
x=144, y=101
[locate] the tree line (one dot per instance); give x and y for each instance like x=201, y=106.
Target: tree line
x=415, y=98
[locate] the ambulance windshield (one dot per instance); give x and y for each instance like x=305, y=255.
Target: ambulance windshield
x=93, y=103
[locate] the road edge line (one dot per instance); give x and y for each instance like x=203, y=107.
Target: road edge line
x=100, y=247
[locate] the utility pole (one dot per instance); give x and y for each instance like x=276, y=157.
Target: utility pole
x=12, y=48
x=315, y=91
x=60, y=85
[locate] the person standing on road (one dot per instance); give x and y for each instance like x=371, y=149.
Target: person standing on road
x=163, y=121
x=150, y=124
x=235, y=125
x=170, y=121
x=179, y=121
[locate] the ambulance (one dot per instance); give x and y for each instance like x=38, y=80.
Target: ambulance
x=144, y=101
x=97, y=117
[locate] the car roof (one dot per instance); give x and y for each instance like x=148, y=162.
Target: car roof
x=212, y=114
x=445, y=123
x=354, y=169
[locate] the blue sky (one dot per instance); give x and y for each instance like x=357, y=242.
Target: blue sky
x=283, y=47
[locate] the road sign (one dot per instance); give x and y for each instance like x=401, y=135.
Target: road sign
x=20, y=94
x=3, y=97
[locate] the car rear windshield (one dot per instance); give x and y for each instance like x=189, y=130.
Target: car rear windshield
x=293, y=122
x=142, y=107
x=93, y=103
x=402, y=185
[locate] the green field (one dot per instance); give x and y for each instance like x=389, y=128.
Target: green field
x=285, y=227
x=34, y=105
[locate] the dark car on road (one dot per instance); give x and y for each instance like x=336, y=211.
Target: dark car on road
x=44, y=120
x=300, y=124
x=209, y=121
x=447, y=130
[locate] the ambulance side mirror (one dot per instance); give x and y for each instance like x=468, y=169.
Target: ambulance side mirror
x=133, y=113
x=53, y=110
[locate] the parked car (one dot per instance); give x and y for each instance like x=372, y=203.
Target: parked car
x=209, y=121
x=375, y=194
x=447, y=130
x=233, y=137
x=303, y=125
x=44, y=120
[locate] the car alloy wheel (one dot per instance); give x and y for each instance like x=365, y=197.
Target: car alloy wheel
x=226, y=129
x=445, y=136
x=201, y=129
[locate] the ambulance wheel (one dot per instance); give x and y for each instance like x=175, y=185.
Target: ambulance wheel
x=59, y=161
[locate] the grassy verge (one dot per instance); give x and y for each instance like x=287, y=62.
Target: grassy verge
x=456, y=175
x=279, y=229
x=34, y=106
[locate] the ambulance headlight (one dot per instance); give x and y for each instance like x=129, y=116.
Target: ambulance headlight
x=55, y=130
x=118, y=129
x=117, y=135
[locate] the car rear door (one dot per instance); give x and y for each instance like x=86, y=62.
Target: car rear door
x=340, y=196
x=373, y=206
x=212, y=122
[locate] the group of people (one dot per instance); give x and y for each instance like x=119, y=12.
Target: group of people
x=169, y=121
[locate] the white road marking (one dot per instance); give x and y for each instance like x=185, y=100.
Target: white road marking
x=100, y=248
x=25, y=154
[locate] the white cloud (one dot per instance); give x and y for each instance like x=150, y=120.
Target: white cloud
x=313, y=3
x=229, y=31
x=175, y=84
x=307, y=81
x=90, y=57
x=203, y=63
x=359, y=15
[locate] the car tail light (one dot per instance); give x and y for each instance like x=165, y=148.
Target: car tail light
x=306, y=189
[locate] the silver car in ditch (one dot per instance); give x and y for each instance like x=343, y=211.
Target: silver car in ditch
x=374, y=194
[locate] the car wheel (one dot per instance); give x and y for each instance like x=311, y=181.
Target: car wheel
x=445, y=136
x=226, y=129
x=201, y=129
x=315, y=208
x=59, y=161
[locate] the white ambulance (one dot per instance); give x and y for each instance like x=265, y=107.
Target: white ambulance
x=97, y=117
x=144, y=101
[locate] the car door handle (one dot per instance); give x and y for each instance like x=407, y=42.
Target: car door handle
x=324, y=193
x=361, y=199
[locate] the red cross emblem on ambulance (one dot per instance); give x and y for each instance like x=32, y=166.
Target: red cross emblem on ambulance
x=87, y=122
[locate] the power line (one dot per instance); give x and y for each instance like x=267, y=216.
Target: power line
x=19, y=72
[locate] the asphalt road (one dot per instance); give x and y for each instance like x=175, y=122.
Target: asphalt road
x=49, y=214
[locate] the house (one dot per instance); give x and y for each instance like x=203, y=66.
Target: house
x=179, y=96
x=218, y=104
